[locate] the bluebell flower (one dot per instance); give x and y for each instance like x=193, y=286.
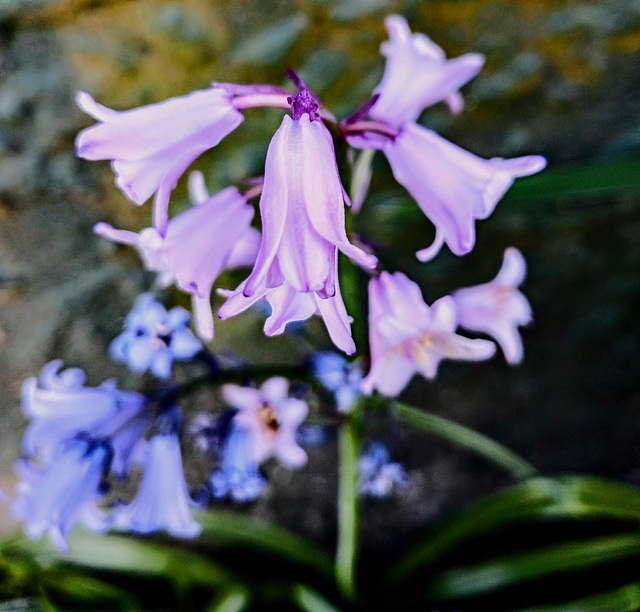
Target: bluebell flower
x=379, y=476
x=56, y=497
x=162, y=501
x=154, y=337
x=60, y=407
x=238, y=477
x=339, y=377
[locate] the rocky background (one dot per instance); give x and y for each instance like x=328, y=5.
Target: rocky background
x=561, y=79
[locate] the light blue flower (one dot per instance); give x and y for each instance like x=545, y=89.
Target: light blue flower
x=238, y=477
x=154, y=337
x=162, y=501
x=379, y=476
x=339, y=377
x=55, y=498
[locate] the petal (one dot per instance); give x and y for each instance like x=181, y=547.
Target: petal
x=275, y=390
x=242, y=398
x=287, y=305
x=513, y=270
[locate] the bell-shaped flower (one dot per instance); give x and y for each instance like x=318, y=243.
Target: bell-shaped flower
x=497, y=308
x=417, y=74
x=57, y=497
x=302, y=209
x=288, y=305
x=199, y=243
x=452, y=186
x=407, y=336
x=162, y=501
x=153, y=145
x=378, y=474
x=154, y=337
x=272, y=417
x=60, y=407
x=339, y=377
x=238, y=478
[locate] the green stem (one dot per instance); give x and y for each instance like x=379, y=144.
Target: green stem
x=445, y=429
x=348, y=506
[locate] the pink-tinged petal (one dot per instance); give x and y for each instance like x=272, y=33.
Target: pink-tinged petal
x=508, y=337
x=203, y=316
x=513, y=270
x=417, y=74
x=452, y=186
x=393, y=331
x=290, y=454
x=455, y=102
x=287, y=305
x=403, y=297
x=242, y=398
x=389, y=375
x=444, y=314
x=245, y=250
x=273, y=205
x=276, y=389
x=198, y=193
x=294, y=411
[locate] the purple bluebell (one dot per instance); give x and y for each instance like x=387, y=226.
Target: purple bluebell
x=56, y=497
x=153, y=338
x=153, y=145
x=162, y=501
x=407, y=336
x=199, y=243
x=339, y=377
x=497, y=308
x=238, y=478
x=378, y=474
x=60, y=407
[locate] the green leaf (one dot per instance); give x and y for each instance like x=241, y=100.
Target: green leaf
x=348, y=505
x=310, y=600
x=551, y=560
x=126, y=555
x=567, y=497
x=234, y=599
x=467, y=438
x=229, y=527
x=624, y=599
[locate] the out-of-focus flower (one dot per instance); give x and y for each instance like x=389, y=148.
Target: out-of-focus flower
x=57, y=497
x=154, y=337
x=452, y=186
x=288, y=305
x=152, y=146
x=162, y=501
x=339, y=377
x=238, y=477
x=272, y=418
x=199, y=243
x=378, y=475
x=407, y=336
x=302, y=208
x=417, y=74
x=497, y=308
x=60, y=407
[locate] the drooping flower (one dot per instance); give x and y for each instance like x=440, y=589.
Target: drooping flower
x=288, y=305
x=339, y=377
x=407, y=336
x=162, y=501
x=378, y=474
x=60, y=408
x=417, y=74
x=56, y=497
x=152, y=146
x=302, y=207
x=154, y=337
x=497, y=308
x=452, y=186
x=238, y=478
x=212, y=235
x=272, y=417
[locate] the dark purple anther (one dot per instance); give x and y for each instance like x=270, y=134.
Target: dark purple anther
x=304, y=101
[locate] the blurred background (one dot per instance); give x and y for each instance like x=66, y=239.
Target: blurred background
x=561, y=79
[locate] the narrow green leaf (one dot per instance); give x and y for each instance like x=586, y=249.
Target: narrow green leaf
x=567, y=497
x=551, y=560
x=624, y=599
x=467, y=438
x=229, y=527
x=234, y=599
x=348, y=505
x=309, y=600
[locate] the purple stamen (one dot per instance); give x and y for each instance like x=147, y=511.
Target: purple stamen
x=362, y=112
x=304, y=101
